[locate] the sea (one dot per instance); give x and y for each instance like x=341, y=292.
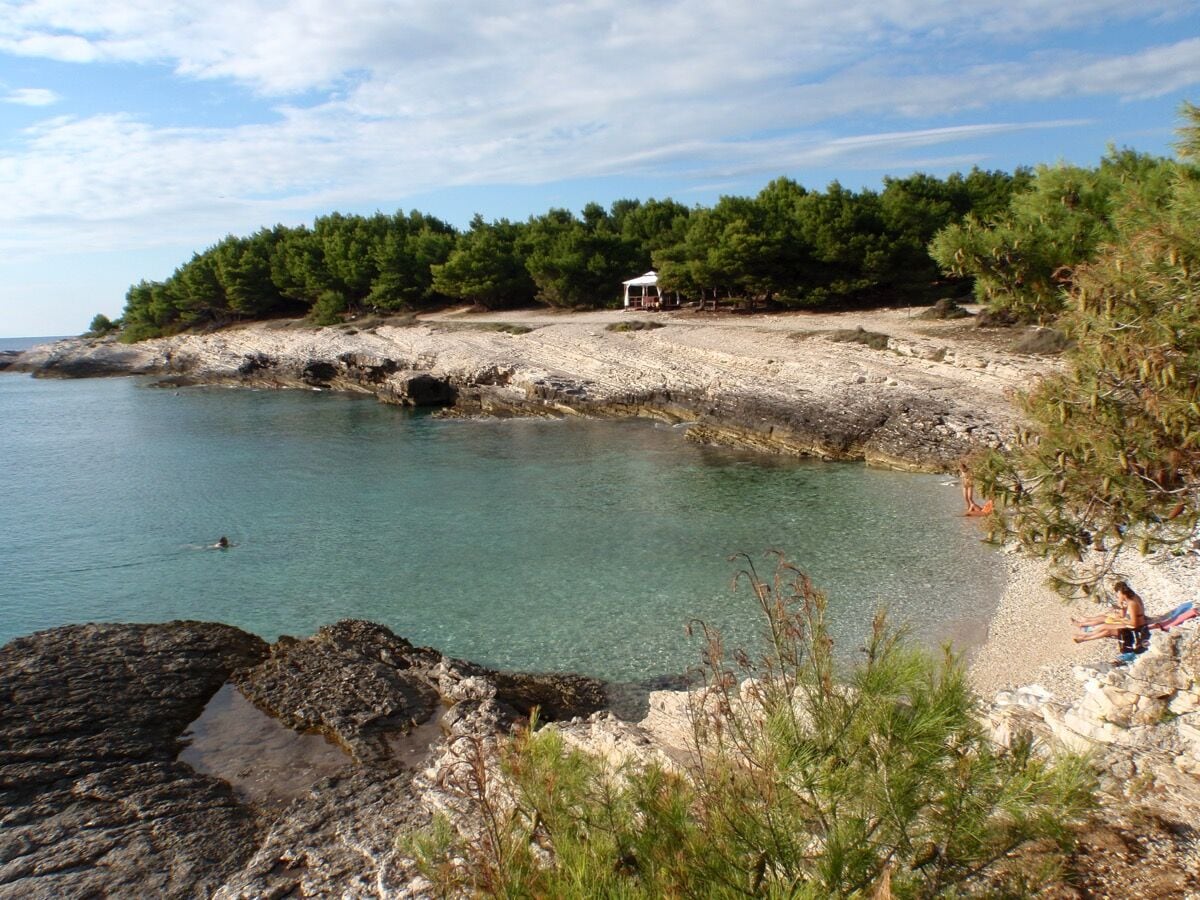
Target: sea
x=555, y=545
x=24, y=343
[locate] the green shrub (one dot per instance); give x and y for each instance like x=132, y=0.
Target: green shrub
x=1111, y=456
x=500, y=327
x=633, y=325
x=945, y=308
x=876, y=340
x=328, y=309
x=800, y=785
x=1042, y=341
x=140, y=331
x=101, y=325
x=504, y=327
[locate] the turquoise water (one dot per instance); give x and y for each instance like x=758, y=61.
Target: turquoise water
x=562, y=545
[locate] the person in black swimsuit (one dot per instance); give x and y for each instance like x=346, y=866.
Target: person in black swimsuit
x=1132, y=617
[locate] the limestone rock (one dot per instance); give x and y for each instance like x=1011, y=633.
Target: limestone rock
x=834, y=402
x=419, y=389
x=617, y=742
x=355, y=682
x=94, y=800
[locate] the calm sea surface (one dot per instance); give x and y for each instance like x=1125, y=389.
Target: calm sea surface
x=563, y=545
x=24, y=343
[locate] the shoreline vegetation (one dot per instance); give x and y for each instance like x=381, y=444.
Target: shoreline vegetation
x=1098, y=470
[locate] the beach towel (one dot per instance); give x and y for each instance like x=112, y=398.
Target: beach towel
x=1177, y=620
x=1178, y=615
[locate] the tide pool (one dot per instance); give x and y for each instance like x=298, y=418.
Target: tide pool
x=532, y=544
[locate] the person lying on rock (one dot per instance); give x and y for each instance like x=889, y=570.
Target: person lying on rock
x=1132, y=615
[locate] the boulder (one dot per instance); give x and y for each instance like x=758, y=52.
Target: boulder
x=421, y=389
x=355, y=682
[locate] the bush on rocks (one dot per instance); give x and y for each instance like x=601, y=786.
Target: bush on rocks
x=633, y=325
x=799, y=785
x=876, y=340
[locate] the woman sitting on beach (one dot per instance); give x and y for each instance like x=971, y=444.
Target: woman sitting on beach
x=1132, y=616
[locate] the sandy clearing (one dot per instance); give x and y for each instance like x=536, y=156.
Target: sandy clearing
x=1029, y=637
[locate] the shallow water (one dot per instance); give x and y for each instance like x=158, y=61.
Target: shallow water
x=561, y=545
x=266, y=762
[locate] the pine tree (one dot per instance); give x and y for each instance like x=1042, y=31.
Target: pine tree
x=1113, y=452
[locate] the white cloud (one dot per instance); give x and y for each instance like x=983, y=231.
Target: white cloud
x=1153, y=72
x=31, y=97
x=409, y=98
x=280, y=48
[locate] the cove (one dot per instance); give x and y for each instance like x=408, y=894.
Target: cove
x=566, y=545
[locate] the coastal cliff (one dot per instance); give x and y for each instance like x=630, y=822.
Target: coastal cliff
x=775, y=384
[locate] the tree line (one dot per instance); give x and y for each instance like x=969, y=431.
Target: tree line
x=787, y=246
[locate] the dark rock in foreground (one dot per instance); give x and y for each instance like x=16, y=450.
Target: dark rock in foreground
x=354, y=682
x=93, y=800
x=96, y=803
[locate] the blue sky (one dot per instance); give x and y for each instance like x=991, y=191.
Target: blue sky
x=133, y=134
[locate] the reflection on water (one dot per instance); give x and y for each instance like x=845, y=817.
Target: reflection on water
x=266, y=762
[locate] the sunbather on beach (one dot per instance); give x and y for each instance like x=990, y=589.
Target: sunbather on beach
x=1132, y=615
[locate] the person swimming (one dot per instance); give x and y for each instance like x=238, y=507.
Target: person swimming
x=222, y=544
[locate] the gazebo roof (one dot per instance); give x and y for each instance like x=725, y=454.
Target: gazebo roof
x=650, y=277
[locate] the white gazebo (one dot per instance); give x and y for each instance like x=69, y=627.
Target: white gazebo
x=643, y=293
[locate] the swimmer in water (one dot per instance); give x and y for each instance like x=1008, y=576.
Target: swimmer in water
x=222, y=544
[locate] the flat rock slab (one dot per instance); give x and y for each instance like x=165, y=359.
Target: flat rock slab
x=355, y=682
x=97, y=797
x=93, y=801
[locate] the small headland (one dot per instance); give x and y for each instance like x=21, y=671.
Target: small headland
x=919, y=397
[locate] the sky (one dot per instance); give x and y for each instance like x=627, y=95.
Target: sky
x=133, y=134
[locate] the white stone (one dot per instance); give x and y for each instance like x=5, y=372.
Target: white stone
x=1072, y=737
x=1188, y=728
x=1032, y=696
x=1188, y=763
x=1184, y=702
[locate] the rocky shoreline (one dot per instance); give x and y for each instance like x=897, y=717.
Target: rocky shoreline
x=101, y=793
x=95, y=800
x=775, y=384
